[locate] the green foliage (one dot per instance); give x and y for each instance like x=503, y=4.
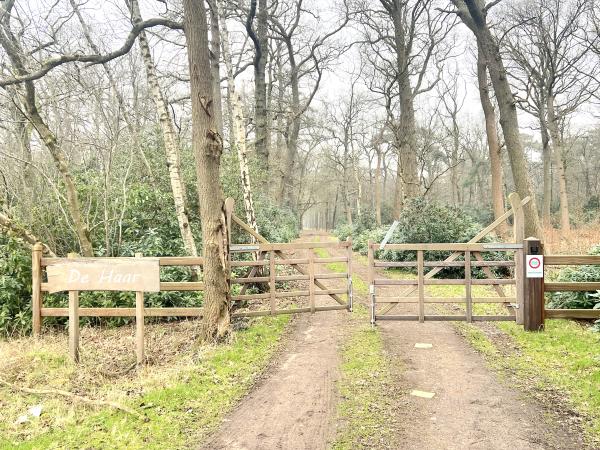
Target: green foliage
x=276, y=224
x=579, y=274
x=15, y=287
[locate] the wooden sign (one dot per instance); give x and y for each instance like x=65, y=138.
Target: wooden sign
x=114, y=274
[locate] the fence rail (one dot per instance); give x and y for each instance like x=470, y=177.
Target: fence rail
x=262, y=262
x=556, y=286
x=472, y=254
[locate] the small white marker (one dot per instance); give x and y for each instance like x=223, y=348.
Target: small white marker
x=423, y=345
x=422, y=394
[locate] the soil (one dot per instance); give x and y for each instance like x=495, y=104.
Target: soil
x=294, y=406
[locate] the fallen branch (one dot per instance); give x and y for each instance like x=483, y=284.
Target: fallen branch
x=76, y=397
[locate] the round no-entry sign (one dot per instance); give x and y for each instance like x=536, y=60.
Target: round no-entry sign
x=534, y=267
x=534, y=262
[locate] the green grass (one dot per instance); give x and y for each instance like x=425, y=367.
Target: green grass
x=190, y=404
x=565, y=358
x=366, y=409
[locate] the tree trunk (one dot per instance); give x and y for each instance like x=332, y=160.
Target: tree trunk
x=215, y=52
x=492, y=140
x=240, y=144
x=406, y=134
x=170, y=139
x=547, y=172
x=557, y=147
x=207, y=145
x=260, y=86
x=509, y=122
x=378, y=186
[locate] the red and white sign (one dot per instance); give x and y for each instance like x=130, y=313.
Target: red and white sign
x=534, y=266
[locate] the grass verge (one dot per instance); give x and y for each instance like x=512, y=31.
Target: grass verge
x=179, y=403
x=366, y=408
x=560, y=367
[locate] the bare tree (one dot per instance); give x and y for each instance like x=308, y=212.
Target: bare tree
x=546, y=41
x=406, y=39
x=473, y=14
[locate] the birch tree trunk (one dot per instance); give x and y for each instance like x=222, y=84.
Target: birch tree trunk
x=378, y=185
x=207, y=145
x=492, y=139
x=238, y=127
x=547, y=170
x=170, y=139
x=557, y=147
x=240, y=144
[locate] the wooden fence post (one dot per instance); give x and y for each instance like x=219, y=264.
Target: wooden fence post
x=533, y=312
x=519, y=235
x=468, y=290
x=421, y=284
x=36, y=288
x=370, y=276
x=272, y=286
x=139, y=323
x=349, y=267
x=73, y=320
x=311, y=279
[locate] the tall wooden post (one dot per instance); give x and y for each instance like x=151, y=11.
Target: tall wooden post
x=139, y=324
x=519, y=235
x=272, y=286
x=349, y=267
x=371, y=257
x=36, y=288
x=468, y=287
x=311, y=279
x=421, y=284
x=73, y=320
x=533, y=312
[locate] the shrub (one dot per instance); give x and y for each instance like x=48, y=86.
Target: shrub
x=15, y=287
x=577, y=300
x=423, y=221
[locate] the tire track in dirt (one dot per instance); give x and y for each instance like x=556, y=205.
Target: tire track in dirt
x=472, y=407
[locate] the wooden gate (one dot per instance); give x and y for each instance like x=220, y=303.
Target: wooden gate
x=386, y=300
x=391, y=298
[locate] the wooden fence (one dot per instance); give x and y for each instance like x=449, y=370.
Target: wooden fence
x=535, y=308
x=468, y=251
x=272, y=258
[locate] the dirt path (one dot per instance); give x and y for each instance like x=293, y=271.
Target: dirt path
x=472, y=408
x=294, y=406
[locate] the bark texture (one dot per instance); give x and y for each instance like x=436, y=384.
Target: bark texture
x=473, y=14
x=207, y=145
x=492, y=139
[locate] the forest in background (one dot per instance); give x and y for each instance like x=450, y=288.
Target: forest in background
x=321, y=114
